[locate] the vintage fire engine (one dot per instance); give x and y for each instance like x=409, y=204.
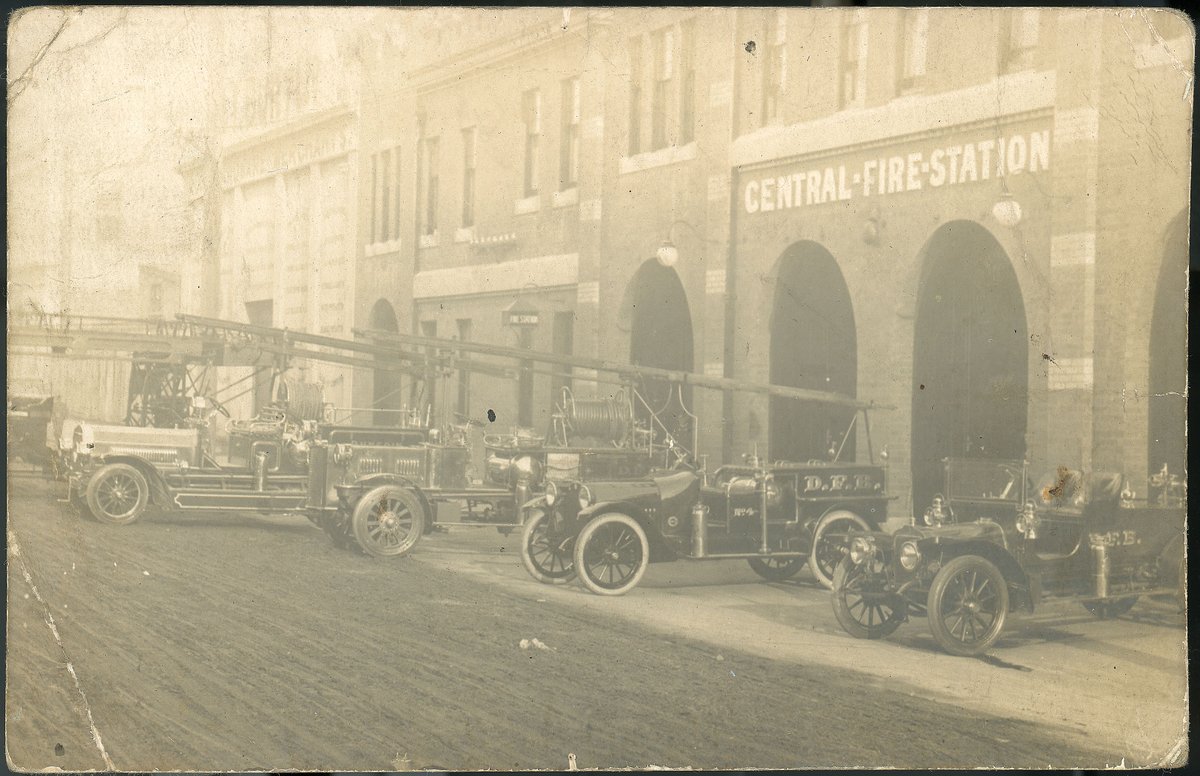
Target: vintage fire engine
x=992, y=543
x=775, y=515
x=380, y=488
x=119, y=472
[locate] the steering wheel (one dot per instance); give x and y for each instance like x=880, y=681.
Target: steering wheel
x=218, y=406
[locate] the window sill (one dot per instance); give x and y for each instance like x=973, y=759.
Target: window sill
x=648, y=160
x=380, y=248
x=429, y=240
x=464, y=235
x=527, y=205
x=565, y=198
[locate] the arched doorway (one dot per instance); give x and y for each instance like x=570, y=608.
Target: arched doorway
x=660, y=325
x=1167, y=406
x=970, y=356
x=386, y=393
x=814, y=345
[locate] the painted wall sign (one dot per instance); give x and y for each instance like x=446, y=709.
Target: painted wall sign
x=913, y=170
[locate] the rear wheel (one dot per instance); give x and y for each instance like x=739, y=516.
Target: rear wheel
x=830, y=540
x=611, y=554
x=545, y=554
x=117, y=494
x=968, y=602
x=1110, y=608
x=387, y=521
x=862, y=604
x=776, y=569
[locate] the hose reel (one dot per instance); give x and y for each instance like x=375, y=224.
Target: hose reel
x=609, y=418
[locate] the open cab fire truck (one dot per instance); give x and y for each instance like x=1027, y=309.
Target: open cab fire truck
x=993, y=543
x=776, y=515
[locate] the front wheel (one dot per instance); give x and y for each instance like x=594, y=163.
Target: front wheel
x=1110, y=608
x=776, y=569
x=862, y=604
x=387, y=521
x=967, y=604
x=611, y=554
x=830, y=539
x=544, y=554
x=117, y=494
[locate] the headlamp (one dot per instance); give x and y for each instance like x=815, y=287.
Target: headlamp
x=585, y=497
x=861, y=548
x=910, y=555
x=551, y=493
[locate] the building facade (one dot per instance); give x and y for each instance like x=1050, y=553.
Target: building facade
x=976, y=220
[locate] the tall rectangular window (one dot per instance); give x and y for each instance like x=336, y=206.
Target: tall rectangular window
x=568, y=174
x=468, y=189
x=563, y=345
x=374, y=196
x=914, y=40
x=396, y=194
x=464, y=376
x=687, y=81
x=635, y=95
x=774, y=63
x=431, y=185
x=664, y=72
x=385, y=211
x=854, y=52
x=1018, y=38
x=531, y=107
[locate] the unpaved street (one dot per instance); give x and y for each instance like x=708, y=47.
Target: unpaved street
x=245, y=643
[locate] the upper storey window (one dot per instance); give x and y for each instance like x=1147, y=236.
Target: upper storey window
x=853, y=62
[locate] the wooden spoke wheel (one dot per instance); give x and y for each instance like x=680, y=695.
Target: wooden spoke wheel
x=387, y=521
x=117, y=494
x=545, y=554
x=862, y=604
x=830, y=543
x=611, y=554
x=967, y=605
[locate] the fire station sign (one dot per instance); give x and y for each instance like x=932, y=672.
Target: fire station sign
x=932, y=166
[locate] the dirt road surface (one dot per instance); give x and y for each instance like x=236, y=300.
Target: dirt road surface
x=245, y=643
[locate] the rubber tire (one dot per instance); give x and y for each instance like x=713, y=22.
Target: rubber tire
x=841, y=608
x=823, y=525
x=937, y=591
x=585, y=537
x=1110, y=608
x=104, y=473
x=534, y=524
x=368, y=503
x=790, y=568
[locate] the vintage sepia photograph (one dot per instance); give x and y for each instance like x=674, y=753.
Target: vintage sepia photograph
x=444, y=389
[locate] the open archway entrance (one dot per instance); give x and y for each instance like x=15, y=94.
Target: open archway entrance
x=814, y=345
x=1167, y=408
x=970, y=357
x=386, y=392
x=660, y=324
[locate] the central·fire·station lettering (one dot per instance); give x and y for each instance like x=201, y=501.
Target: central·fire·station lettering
x=945, y=166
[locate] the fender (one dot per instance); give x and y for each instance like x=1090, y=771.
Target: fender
x=873, y=511
x=160, y=494
x=659, y=549
x=351, y=493
x=1018, y=581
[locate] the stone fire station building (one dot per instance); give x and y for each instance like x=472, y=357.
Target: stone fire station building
x=976, y=219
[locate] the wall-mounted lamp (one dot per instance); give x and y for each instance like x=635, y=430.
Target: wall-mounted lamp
x=1007, y=211
x=667, y=254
